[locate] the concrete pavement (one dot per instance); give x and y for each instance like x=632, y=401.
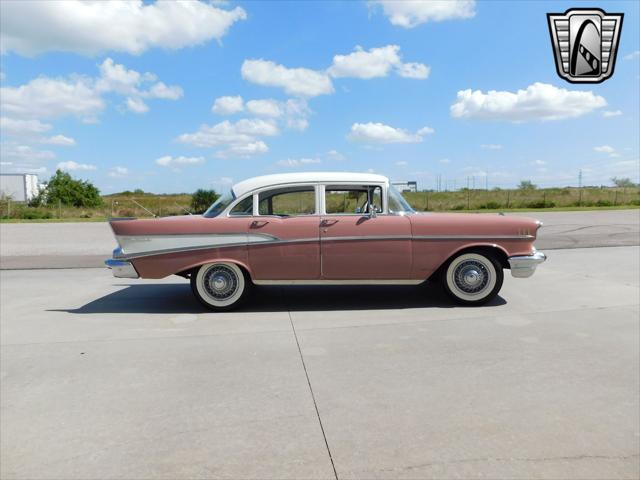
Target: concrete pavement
x=114, y=378
x=80, y=245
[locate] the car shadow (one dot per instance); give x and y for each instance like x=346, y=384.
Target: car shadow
x=177, y=298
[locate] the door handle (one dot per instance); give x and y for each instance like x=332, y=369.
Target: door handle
x=328, y=223
x=258, y=223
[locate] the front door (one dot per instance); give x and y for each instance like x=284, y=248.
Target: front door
x=284, y=241
x=358, y=246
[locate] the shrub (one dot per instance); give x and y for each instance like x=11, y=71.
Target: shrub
x=202, y=199
x=491, y=205
x=34, y=214
x=458, y=207
x=541, y=204
x=603, y=203
x=527, y=185
x=65, y=190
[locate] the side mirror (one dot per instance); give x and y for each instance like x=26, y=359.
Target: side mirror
x=372, y=211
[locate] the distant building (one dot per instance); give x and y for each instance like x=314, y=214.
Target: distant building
x=20, y=187
x=410, y=186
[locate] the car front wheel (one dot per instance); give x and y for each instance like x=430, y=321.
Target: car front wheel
x=473, y=278
x=219, y=286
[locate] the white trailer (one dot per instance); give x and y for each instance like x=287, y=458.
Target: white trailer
x=19, y=187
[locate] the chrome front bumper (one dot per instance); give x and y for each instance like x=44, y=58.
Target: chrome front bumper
x=524, y=266
x=121, y=268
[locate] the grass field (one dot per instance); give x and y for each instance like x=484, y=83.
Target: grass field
x=149, y=205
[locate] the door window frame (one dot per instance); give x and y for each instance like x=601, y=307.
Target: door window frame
x=323, y=206
x=255, y=194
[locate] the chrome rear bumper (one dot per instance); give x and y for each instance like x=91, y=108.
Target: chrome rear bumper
x=524, y=266
x=121, y=268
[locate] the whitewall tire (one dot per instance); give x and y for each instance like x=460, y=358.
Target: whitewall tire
x=219, y=286
x=473, y=278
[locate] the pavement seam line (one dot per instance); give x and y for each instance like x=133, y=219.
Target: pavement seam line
x=313, y=397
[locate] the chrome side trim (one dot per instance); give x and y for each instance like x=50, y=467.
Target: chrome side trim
x=524, y=266
x=474, y=237
x=339, y=282
x=226, y=240
x=121, y=269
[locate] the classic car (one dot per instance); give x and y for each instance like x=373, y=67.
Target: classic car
x=325, y=228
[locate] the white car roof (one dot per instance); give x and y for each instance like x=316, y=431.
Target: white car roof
x=245, y=186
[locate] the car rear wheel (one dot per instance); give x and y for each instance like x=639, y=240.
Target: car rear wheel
x=219, y=286
x=473, y=278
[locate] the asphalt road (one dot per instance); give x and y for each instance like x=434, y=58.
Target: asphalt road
x=114, y=378
x=77, y=245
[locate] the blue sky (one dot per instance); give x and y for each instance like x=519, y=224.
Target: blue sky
x=133, y=95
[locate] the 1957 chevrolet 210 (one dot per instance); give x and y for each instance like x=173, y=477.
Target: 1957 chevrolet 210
x=325, y=228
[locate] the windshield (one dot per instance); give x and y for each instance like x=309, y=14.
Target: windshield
x=397, y=203
x=220, y=204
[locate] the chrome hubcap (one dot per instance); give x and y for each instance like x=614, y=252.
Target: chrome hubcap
x=471, y=276
x=220, y=282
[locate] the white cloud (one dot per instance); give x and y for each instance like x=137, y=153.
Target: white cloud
x=632, y=55
x=31, y=27
x=408, y=14
x=264, y=108
x=169, y=161
x=45, y=97
x=491, y=146
x=167, y=92
x=22, y=127
x=296, y=113
x=538, y=163
x=118, y=172
x=60, y=140
x=223, y=133
x=228, y=105
x=335, y=155
x=379, y=133
x=418, y=71
x=244, y=150
x=137, y=105
x=115, y=77
x=604, y=149
x=240, y=139
x=82, y=96
x=71, y=165
x=375, y=62
x=23, y=153
x=444, y=161
x=611, y=113
x=401, y=163
x=297, y=162
x=424, y=131
x=301, y=82
x=607, y=149
x=539, y=101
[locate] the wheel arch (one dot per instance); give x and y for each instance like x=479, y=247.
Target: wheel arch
x=492, y=249
x=187, y=271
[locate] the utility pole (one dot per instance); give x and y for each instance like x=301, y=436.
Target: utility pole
x=580, y=188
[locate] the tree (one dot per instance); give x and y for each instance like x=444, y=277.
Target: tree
x=527, y=185
x=202, y=199
x=64, y=189
x=623, y=182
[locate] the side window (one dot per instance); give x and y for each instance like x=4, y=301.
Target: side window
x=243, y=208
x=352, y=200
x=287, y=201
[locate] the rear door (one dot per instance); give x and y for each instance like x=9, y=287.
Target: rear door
x=358, y=246
x=287, y=245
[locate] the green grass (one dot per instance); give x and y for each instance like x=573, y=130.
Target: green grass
x=483, y=201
